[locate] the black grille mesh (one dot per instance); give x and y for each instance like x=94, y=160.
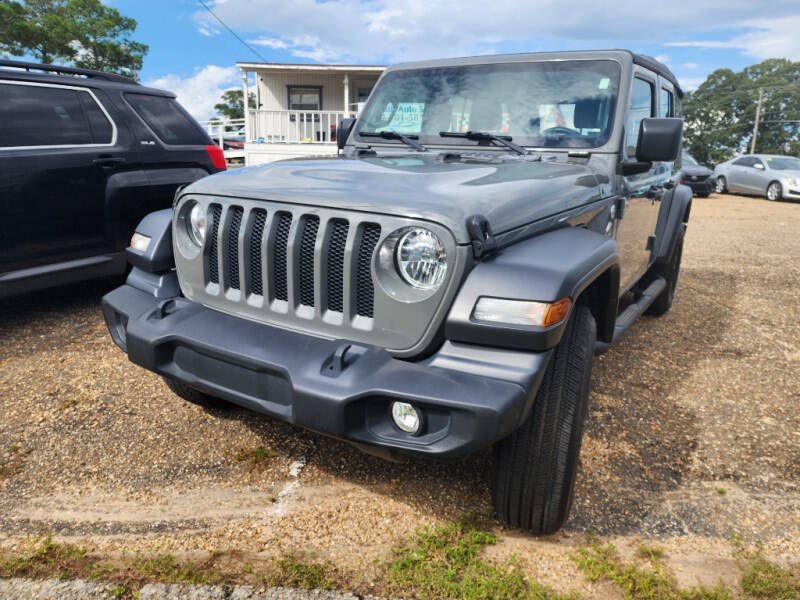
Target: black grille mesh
x=213, y=256
x=365, y=294
x=279, y=257
x=233, y=247
x=336, y=247
x=310, y=228
x=256, y=233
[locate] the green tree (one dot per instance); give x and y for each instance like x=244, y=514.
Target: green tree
x=721, y=112
x=86, y=33
x=231, y=105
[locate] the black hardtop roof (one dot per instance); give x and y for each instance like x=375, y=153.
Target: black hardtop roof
x=41, y=72
x=639, y=59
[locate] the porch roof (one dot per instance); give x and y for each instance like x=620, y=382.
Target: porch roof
x=314, y=67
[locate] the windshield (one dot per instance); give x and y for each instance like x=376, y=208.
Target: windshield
x=688, y=159
x=549, y=104
x=783, y=163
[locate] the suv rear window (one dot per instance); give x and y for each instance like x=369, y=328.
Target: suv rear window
x=164, y=116
x=35, y=115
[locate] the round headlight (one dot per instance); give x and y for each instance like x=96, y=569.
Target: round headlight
x=421, y=259
x=406, y=417
x=197, y=224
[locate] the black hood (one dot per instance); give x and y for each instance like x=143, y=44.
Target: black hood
x=507, y=189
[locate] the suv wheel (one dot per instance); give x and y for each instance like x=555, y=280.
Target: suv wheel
x=535, y=467
x=721, y=186
x=774, y=191
x=670, y=272
x=195, y=396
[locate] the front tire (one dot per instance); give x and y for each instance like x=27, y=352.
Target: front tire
x=670, y=272
x=536, y=466
x=774, y=191
x=195, y=396
x=721, y=185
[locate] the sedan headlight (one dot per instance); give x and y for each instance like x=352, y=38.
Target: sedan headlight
x=197, y=224
x=421, y=259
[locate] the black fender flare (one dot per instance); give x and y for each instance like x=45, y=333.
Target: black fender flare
x=545, y=268
x=676, y=204
x=157, y=257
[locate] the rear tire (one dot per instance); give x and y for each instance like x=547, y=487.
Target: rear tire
x=536, y=466
x=670, y=272
x=721, y=185
x=195, y=396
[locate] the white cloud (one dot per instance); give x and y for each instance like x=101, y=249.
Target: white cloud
x=775, y=37
x=199, y=93
x=664, y=58
x=689, y=84
x=269, y=43
x=689, y=65
x=385, y=30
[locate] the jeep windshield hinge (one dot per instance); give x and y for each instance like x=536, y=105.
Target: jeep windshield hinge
x=481, y=237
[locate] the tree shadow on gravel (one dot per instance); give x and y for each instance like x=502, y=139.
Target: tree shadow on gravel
x=638, y=445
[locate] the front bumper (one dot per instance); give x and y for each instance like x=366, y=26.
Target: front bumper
x=700, y=187
x=471, y=396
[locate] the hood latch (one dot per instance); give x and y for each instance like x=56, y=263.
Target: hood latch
x=481, y=237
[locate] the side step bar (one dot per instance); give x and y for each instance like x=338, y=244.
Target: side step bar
x=627, y=317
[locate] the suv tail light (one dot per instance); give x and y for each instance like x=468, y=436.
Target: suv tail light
x=217, y=156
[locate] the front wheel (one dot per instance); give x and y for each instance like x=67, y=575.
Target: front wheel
x=670, y=272
x=721, y=185
x=774, y=191
x=536, y=466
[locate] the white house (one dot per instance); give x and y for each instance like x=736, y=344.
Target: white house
x=298, y=106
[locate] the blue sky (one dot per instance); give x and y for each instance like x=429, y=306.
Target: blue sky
x=192, y=54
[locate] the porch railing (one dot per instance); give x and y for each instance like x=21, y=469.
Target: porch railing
x=296, y=126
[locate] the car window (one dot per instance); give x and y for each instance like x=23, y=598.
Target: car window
x=34, y=115
x=745, y=161
x=755, y=162
x=641, y=107
x=688, y=159
x=667, y=104
x=553, y=104
x=783, y=163
x=164, y=116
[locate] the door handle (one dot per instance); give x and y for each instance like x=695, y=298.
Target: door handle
x=107, y=162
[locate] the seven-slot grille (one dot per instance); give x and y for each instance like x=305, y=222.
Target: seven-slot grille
x=286, y=252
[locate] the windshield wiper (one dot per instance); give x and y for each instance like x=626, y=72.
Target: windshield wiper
x=476, y=136
x=409, y=140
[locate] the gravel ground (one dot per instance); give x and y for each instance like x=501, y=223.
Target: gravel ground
x=693, y=435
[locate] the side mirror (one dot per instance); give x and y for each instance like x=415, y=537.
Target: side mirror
x=659, y=140
x=758, y=166
x=345, y=127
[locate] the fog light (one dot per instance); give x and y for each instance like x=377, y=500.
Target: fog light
x=406, y=417
x=140, y=242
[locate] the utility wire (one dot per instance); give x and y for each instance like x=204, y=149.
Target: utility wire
x=233, y=33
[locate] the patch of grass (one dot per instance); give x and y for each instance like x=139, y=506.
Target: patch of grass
x=292, y=570
x=445, y=562
x=164, y=568
x=255, y=458
x=14, y=448
x=721, y=491
x=650, y=582
x=648, y=552
x=44, y=558
x=763, y=579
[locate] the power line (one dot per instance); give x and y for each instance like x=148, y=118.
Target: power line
x=233, y=33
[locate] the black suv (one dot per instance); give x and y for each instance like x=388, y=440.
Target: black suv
x=84, y=155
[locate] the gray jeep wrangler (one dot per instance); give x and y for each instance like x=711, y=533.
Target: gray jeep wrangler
x=440, y=286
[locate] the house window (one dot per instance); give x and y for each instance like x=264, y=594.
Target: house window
x=305, y=98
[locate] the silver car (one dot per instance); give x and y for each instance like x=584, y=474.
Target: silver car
x=773, y=176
